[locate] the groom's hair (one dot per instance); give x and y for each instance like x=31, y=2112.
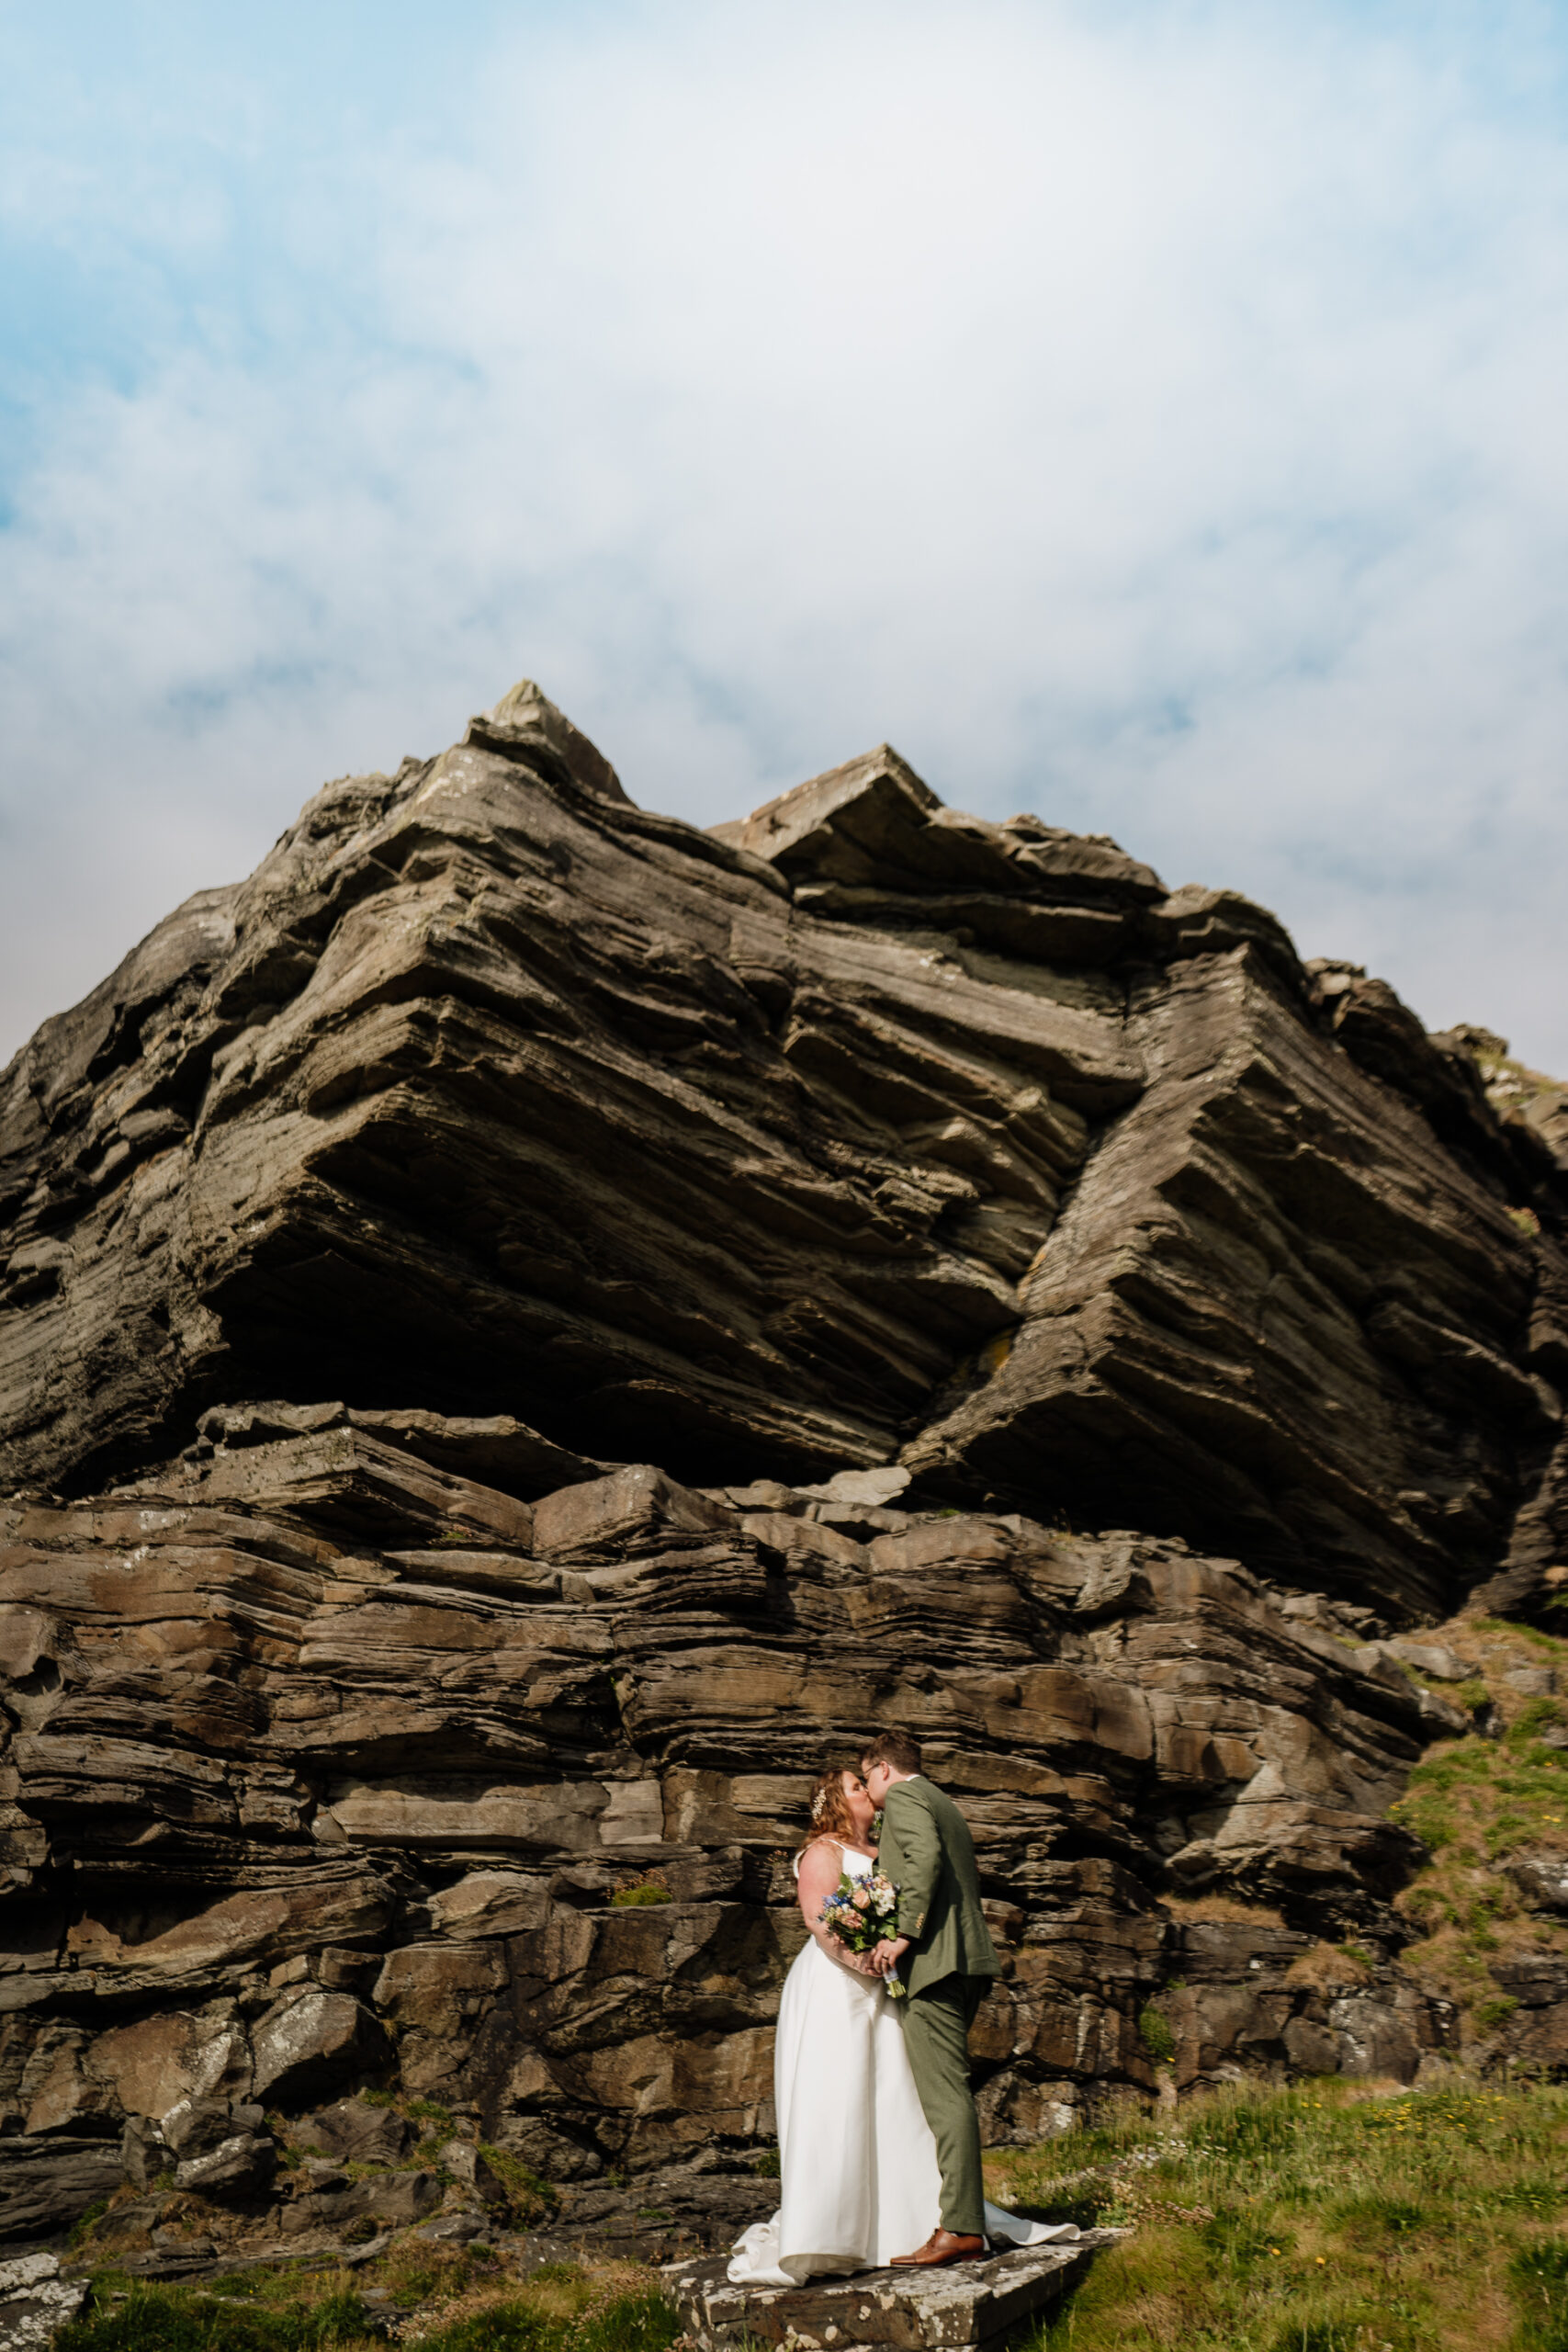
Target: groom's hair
x=894, y=1747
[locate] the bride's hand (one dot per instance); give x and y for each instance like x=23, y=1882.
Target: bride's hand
x=859, y=1962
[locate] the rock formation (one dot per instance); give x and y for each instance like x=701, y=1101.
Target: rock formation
x=524, y=1322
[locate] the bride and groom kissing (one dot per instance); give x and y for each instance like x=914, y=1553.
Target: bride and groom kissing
x=879, y=2143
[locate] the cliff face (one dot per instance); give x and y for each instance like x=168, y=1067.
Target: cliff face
x=329, y=1766
x=895, y=1194
x=857, y=1132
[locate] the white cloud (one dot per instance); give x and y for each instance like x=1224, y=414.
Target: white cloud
x=1148, y=417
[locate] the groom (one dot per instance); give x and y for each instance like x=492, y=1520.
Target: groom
x=929, y=1854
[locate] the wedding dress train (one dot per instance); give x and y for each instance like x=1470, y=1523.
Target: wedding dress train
x=858, y=2173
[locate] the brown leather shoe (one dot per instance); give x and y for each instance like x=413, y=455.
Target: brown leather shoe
x=942, y=2247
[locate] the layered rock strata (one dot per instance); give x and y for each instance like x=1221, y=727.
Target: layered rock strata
x=858, y=1132
x=760, y=1272
x=332, y=1768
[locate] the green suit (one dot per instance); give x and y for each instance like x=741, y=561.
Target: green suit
x=929, y=1854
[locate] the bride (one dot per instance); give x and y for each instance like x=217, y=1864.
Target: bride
x=859, y=2178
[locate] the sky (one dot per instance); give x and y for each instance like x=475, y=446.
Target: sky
x=1144, y=412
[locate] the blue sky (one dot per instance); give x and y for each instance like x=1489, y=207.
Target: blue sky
x=1148, y=414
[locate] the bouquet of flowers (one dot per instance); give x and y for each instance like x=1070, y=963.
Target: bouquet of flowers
x=860, y=1912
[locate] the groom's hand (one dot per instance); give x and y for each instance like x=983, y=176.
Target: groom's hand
x=886, y=1956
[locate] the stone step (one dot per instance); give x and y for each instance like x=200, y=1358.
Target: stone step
x=972, y=2304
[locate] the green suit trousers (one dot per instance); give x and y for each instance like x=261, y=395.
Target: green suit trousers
x=936, y=2034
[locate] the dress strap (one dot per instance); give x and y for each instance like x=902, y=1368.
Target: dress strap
x=824, y=1840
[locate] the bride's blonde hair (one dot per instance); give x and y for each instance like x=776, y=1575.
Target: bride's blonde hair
x=829, y=1812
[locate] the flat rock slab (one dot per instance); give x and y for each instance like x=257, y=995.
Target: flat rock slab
x=34, y=2302
x=972, y=2304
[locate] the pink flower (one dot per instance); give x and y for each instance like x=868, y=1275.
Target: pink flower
x=860, y=1899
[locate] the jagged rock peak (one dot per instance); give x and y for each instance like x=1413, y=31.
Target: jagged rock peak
x=860, y=1132
x=524, y=724
x=872, y=823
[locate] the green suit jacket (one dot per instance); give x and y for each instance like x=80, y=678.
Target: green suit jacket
x=929, y=1854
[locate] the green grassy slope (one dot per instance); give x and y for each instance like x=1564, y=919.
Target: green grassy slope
x=1333, y=2218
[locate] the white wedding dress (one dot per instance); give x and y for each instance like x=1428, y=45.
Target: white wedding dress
x=859, y=2179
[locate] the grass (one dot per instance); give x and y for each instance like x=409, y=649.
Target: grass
x=1343, y=2219
x=531, y=2196
x=1211, y=1908
x=562, y=2308
x=431, y=2270
x=640, y=2321
x=1157, y=2036
x=1539, y=2278
x=86, y=2224
x=173, y=2319
x=1475, y=1803
x=1329, y=1967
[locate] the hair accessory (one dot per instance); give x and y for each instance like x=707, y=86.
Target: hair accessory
x=819, y=1805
